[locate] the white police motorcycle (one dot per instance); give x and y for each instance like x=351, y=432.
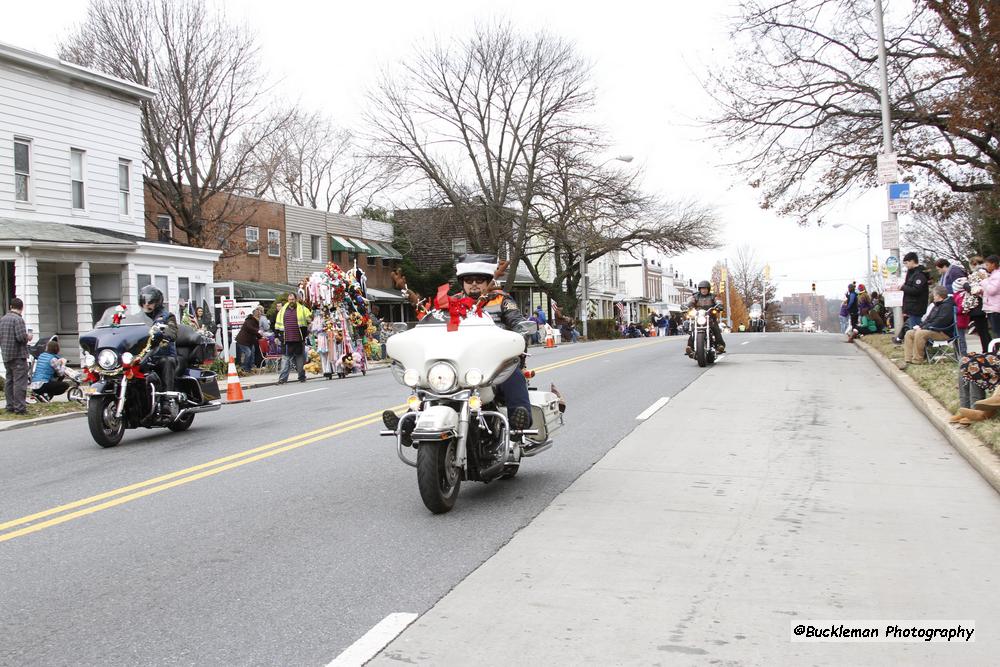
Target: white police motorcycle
x=455, y=420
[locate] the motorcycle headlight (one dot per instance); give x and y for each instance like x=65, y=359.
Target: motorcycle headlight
x=107, y=359
x=127, y=358
x=474, y=377
x=411, y=377
x=691, y=313
x=441, y=377
x=701, y=318
x=88, y=360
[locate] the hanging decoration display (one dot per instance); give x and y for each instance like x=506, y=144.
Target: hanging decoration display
x=344, y=328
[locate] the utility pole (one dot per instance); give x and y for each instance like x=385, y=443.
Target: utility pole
x=887, y=137
x=583, y=288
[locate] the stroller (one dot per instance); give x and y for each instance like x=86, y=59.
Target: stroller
x=73, y=378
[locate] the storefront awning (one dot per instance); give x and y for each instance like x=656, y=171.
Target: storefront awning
x=339, y=244
x=361, y=246
x=383, y=249
x=244, y=290
x=378, y=295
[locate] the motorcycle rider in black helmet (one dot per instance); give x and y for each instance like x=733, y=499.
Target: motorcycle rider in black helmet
x=163, y=353
x=704, y=299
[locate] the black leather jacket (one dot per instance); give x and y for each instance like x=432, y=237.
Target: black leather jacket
x=700, y=300
x=166, y=343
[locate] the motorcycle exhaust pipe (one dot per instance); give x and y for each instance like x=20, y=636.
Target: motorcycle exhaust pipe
x=537, y=449
x=210, y=407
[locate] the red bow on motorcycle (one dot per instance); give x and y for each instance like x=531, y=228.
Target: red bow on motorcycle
x=457, y=307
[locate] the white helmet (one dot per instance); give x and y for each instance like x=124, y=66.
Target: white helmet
x=473, y=264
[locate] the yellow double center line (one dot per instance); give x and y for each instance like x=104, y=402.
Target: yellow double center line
x=79, y=508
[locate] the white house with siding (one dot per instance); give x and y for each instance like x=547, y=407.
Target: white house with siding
x=72, y=236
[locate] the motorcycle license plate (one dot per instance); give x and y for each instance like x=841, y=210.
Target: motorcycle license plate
x=89, y=391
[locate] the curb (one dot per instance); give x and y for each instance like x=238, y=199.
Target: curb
x=319, y=377
x=13, y=425
x=979, y=455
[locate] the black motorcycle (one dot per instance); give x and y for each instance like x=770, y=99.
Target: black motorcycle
x=126, y=391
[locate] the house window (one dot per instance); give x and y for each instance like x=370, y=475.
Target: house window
x=164, y=228
x=459, y=246
x=184, y=289
x=22, y=170
x=142, y=280
x=76, y=178
x=67, y=303
x=273, y=243
x=124, y=189
x=314, y=249
x=105, y=292
x=372, y=260
x=296, y=247
x=253, y=240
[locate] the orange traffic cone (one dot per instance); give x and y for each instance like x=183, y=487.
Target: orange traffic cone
x=550, y=341
x=234, y=390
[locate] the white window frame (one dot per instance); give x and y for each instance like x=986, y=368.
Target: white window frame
x=253, y=240
x=28, y=181
x=125, y=194
x=82, y=180
x=274, y=237
x=295, y=246
x=459, y=246
x=161, y=218
x=315, y=248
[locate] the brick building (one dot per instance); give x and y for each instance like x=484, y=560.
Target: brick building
x=807, y=304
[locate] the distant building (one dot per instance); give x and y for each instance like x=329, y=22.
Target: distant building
x=806, y=304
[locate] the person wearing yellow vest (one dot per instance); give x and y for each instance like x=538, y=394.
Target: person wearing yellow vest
x=475, y=275
x=291, y=324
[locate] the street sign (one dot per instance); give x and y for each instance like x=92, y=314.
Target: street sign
x=893, y=291
x=229, y=304
x=892, y=264
x=899, y=197
x=239, y=312
x=890, y=235
x=888, y=168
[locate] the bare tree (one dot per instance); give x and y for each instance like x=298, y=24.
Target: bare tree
x=472, y=119
x=749, y=278
x=802, y=101
x=311, y=162
x=207, y=121
x=583, y=211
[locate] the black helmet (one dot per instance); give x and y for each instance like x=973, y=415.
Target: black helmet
x=150, y=294
x=705, y=283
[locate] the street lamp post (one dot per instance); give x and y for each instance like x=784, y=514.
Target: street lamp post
x=584, y=292
x=868, y=245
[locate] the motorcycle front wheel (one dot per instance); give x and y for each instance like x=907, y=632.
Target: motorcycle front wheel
x=700, y=352
x=105, y=429
x=437, y=476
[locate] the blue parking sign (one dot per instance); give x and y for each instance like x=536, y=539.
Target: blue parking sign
x=899, y=197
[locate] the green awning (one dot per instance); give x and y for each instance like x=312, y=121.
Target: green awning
x=360, y=245
x=339, y=243
x=244, y=290
x=388, y=251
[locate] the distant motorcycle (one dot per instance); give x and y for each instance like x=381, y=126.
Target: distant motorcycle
x=456, y=421
x=704, y=340
x=126, y=392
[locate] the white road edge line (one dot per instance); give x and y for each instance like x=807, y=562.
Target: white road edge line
x=746, y=342
x=651, y=410
x=374, y=640
x=298, y=393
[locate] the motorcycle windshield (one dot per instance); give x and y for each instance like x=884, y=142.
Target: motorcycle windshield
x=128, y=336
x=477, y=343
x=132, y=315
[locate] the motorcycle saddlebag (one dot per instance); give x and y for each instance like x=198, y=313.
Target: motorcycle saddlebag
x=208, y=382
x=545, y=415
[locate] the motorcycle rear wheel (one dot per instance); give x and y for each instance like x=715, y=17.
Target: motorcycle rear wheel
x=699, y=350
x=437, y=477
x=104, y=428
x=182, y=424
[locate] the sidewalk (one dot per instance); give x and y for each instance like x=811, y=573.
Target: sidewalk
x=706, y=546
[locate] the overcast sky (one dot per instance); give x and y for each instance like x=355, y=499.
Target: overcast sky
x=648, y=58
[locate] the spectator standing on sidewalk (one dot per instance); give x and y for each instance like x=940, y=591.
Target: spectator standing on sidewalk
x=962, y=319
x=292, y=324
x=852, y=305
x=916, y=288
x=845, y=317
x=936, y=326
x=246, y=339
x=949, y=273
x=973, y=300
x=864, y=301
x=14, y=339
x=991, y=293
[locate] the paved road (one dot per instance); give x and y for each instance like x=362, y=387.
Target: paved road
x=286, y=559
x=797, y=484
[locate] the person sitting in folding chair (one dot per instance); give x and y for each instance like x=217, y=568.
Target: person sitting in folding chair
x=938, y=325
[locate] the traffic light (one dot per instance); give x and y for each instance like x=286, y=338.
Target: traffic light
x=814, y=287
x=767, y=272
x=874, y=264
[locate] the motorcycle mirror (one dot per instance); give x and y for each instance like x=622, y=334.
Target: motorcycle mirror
x=527, y=328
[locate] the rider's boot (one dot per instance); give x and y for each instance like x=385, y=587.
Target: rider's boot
x=520, y=418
